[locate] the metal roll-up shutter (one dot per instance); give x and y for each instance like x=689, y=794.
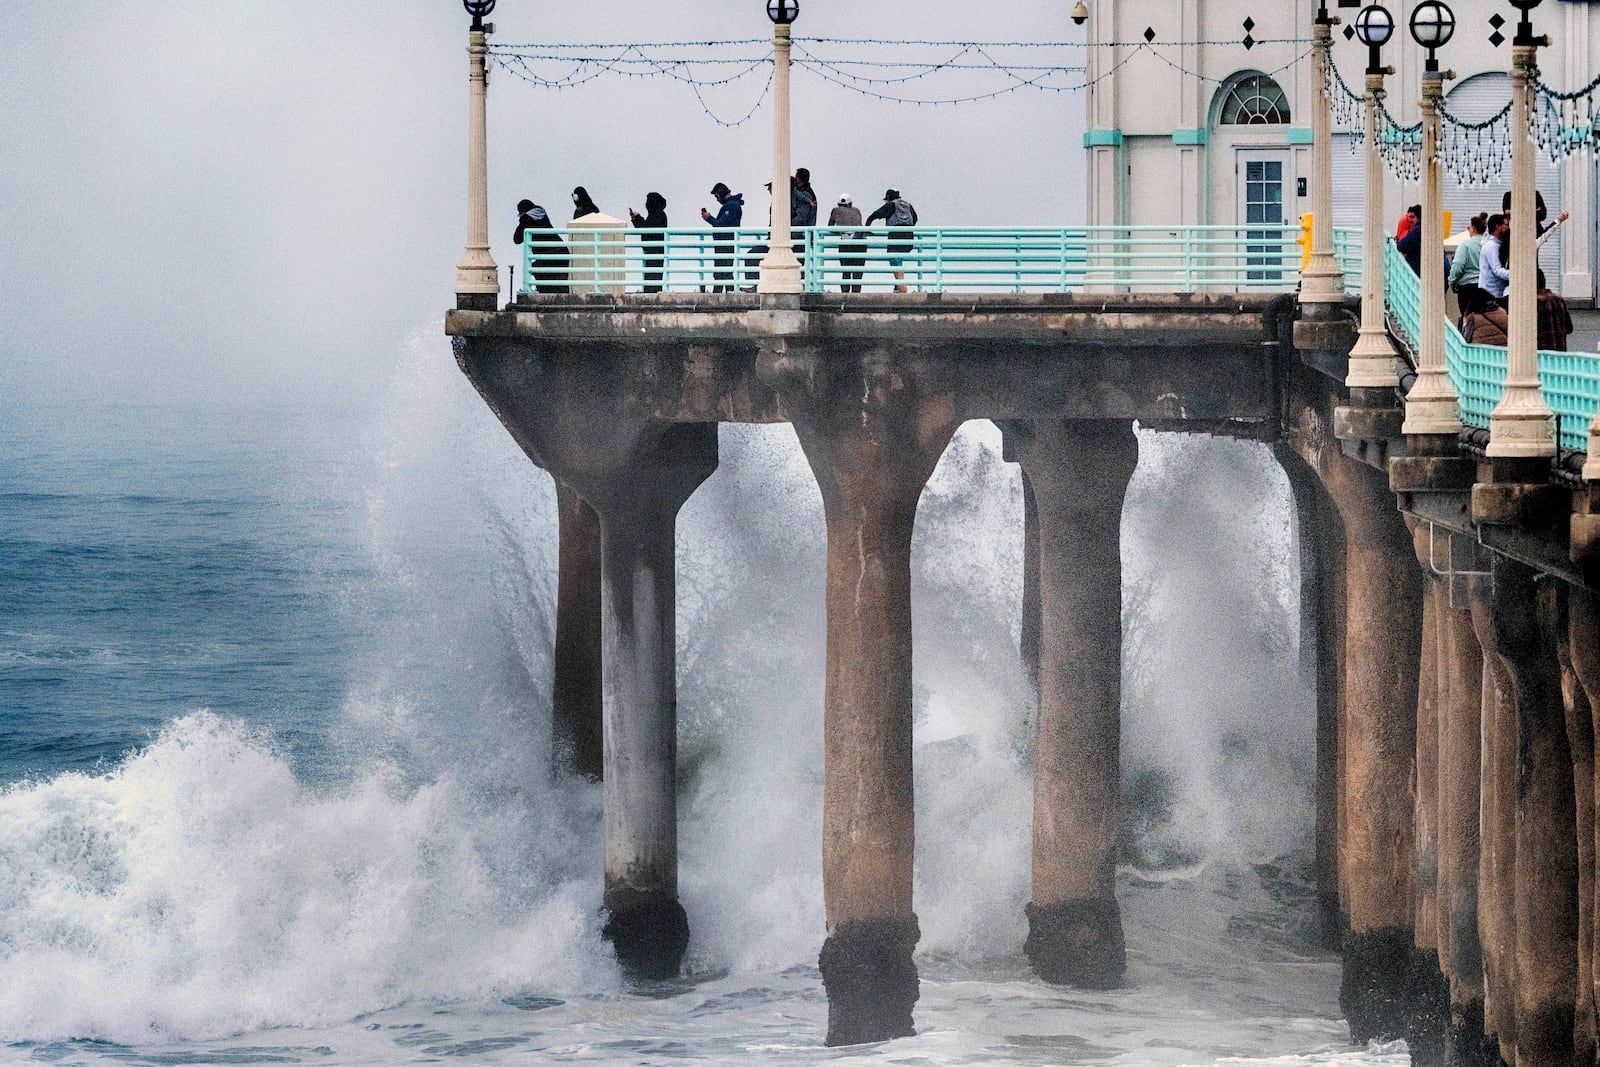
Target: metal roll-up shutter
x=1349, y=181
x=1474, y=100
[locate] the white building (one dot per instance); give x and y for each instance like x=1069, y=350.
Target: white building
x=1198, y=114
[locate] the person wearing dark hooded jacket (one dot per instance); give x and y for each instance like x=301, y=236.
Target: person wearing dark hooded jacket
x=728, y=216
x=581, y=204
x=654, y=218
x=896, y=211
x=549, y=265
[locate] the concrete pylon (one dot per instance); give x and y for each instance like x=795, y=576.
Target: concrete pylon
x=1460, y=755
x=872, y=427
x=576, y=695
x=1079, y=472
x=1320, y=534
x=1583, y=649
x=1383, y=632
x=1497, y=860
x=1580, y=741
x=1521, y=634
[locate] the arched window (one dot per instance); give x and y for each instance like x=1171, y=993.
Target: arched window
x=1254, y=100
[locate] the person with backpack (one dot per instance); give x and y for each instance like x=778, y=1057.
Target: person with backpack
x=898, y=215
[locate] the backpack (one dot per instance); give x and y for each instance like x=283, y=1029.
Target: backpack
x=903, y=215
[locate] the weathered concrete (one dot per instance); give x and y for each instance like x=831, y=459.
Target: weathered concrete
x=1031, y=621
x=1522, y=630
x=1580, y=741
x=1382, y=657
x=1497, y=920
x=1460, y=755
x=576, y=695
x=586, y=423
x=872, y=427
x=1079, y=472
x=1430, y=990
x=1583, y=658
x=1320, y=533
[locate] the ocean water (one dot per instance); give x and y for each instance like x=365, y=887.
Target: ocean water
x=274, y=755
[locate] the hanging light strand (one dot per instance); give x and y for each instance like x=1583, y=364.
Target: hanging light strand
x=1566, y=122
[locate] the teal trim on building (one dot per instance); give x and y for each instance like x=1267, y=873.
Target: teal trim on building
x=1102, y=138
x=1300, y=135
x=1188, y=136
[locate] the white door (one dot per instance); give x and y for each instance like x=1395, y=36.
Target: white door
x=1261, y=174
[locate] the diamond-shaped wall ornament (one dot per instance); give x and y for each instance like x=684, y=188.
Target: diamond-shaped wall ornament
x=1497, y=38
x=1496, y=20
x=1149, y=34
x=1249, y=42
x=1249, y=24
x=1349, y=32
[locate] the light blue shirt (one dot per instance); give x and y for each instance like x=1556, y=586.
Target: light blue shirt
x=1492, y=277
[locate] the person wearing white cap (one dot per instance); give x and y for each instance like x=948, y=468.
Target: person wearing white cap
x=852, y=256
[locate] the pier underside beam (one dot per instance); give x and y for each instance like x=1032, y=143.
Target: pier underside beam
x=872, y=429
x=1079, y=473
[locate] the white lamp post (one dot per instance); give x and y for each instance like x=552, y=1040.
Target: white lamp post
x=780, y=270
x=477, y=278
x=1432, y=406
x=1322, y=282
x=1372, y=358
x=1519, y=426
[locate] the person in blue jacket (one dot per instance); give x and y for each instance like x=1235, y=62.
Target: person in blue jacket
x=729, y=216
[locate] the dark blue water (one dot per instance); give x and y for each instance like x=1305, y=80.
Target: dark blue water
x=159, y=559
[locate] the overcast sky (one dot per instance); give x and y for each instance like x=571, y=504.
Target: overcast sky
x=231, y=200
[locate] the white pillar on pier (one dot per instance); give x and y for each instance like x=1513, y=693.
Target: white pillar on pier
x=1519, y=426
x=1432, y=406
x=780, y=270
x=1372, y=358
x=1322, y=282
x=477, y=277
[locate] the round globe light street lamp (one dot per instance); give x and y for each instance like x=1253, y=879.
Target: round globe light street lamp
x=477, y=277
x=1432, y=26
x=780, y=270
x=1374, y=26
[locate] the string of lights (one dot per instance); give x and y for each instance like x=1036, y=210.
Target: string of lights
x=1566, y=122
x=877, y=41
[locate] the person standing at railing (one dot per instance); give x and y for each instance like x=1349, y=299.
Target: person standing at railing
x=802, y=209
x=550, y=266
x=1463, y=279
x=1493, y=275
x=1409, y=244
x=896, y=212
x=728, y=217
x=1555, y=321
x=581, y=203
x=655, y=218
x=852, y=254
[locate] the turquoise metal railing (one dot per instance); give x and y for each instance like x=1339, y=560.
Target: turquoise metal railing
x=1110, y=259
x=1570, y=381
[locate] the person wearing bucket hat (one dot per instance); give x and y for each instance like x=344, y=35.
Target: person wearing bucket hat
x=852, y=254
x=898, y=215
x=728, y=217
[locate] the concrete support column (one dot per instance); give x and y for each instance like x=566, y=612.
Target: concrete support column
x=1583, y=651
x=638, y=508
x=477, y=277
x=1460, y=755
x=1382, y=654
x=578, y=740
x=1321, y=282
x=1430, y=996
x=1320, y=532
x=1031, y=621
x=1079, y=472
x=1522, y=621
x=1580, y=741
x=873, y=428
x=1497, y=862
x=1519, y=426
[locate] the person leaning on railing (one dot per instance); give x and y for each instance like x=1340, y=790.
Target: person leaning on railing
x=852, y=254
x=550, y=266
x=1485, y=323
x=896, y=212
x=1464, y=269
